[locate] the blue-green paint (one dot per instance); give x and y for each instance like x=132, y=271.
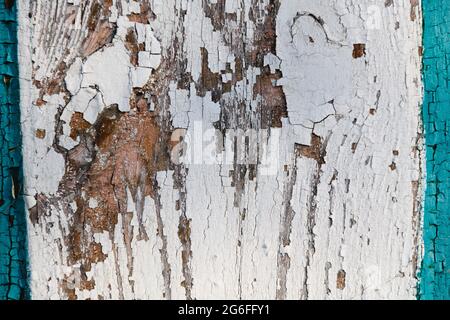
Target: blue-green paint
x=435, y=272
x=13, y=239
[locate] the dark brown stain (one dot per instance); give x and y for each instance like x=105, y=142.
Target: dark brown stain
x=359, y=50
x=40, y=102
x=215, y=12
x=146, y=14
x=39, y=209
x=96, y=254
x=119, y=152
x=9, y=4
x=133, y=47
x=100, y=30
x=52, y=85
x=125, y=150
x=40, y=133
x=33, y=215
x=354, y=146
x=273, y=105
x=7, y=80
x=78, y=125
x=212, y=81
x=393, y=166
x=415, y=223
x=69, y=282
x=184, y=234
x=184, y=81
x=209, y=81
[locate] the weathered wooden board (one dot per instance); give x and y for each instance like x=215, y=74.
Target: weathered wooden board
x=327, y=207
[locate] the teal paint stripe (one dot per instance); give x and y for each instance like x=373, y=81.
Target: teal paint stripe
x=435, y=272
x=13, y=239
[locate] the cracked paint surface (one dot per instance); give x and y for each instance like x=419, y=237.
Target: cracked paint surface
x=435, y=272
x=13, y=245
x=112, y=88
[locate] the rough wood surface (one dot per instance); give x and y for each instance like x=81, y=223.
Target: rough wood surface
x=329, y=207
x=13, y=226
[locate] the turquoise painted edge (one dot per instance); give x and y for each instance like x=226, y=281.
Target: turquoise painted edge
x=435, y=271
x=13, y=236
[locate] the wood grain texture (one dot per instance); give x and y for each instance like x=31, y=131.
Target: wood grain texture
x=328, y=209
